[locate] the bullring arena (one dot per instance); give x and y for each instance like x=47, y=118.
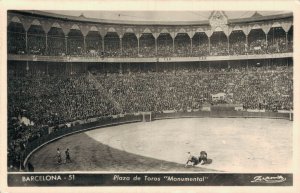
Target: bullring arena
x=137, y=96
x=234, y=145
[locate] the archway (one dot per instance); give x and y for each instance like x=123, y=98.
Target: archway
x=164, y=45
x=277, y=40
x=182, y=44
x=36, y=40
x=257, y=41
x=112, y=44
x=200, y=44
x=75, y=42
x=237, y=43
x=219, y=44
x=147, y=45
x=16, y=38
x=56, y=42
x=93, y=43
x=130, y=45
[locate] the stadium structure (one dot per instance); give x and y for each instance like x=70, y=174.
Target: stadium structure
x=70, y=74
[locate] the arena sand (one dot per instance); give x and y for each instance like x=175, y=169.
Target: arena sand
x=233, y=145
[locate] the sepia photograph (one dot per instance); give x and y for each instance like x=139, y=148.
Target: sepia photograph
x=149, y=98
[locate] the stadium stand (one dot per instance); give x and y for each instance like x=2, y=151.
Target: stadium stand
x=49, y=93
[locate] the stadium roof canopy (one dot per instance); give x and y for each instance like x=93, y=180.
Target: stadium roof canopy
x=158, y=17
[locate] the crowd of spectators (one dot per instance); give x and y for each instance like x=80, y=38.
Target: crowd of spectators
x=165, y=45
x=75, y=46
x=147, y=46
x=219, y=49
x=93, y=44
x=238, y=45
x=258, y=46
x=278, y=45
x=182, y=45
x=218, y=44
x=52, y=100
x=49, y=96
x=37, y=102
x=16, y=43
x=56, y=45
x=129, y=46
x=49, y=101
x=200, y=50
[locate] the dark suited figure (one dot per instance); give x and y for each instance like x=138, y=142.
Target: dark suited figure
x=203, y=157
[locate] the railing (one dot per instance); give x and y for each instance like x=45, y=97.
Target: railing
x=138, y=59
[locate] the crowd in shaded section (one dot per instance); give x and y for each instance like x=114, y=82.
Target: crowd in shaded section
x=44, y=101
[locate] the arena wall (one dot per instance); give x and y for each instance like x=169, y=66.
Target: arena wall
x=63, y=132
x=222, y=114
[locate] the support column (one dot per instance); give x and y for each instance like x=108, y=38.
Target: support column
x=84, y=45
x=139, y=67
x=209, y=45
x=286, y=40
x=247, y=46
x=128, y=68
x=46, y=48
x=102, y=44
x=173, y=45
x=174, y=68
x=228, y=47
x=26, y=42
x=199, y=43
x=47, y=69
x=121, y=68
x=138, y=39
x=266, y=42
x=191, y=45
x=121, y=45
x=155, y=45
x=66, y=45
x=71, y=68
x=27, y=66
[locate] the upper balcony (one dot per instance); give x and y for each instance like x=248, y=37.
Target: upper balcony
x=35, y=35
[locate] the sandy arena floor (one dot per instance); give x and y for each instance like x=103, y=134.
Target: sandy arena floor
x=234, y=145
